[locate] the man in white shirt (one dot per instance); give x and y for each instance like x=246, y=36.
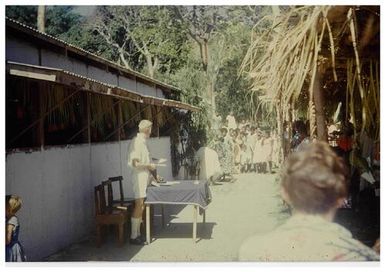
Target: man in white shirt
x=140, y=166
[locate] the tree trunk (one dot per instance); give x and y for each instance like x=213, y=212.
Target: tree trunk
x=289, y=129
x=276, y=13
x=312, y=119
x=150, y=66
x=280, y=130
x=41, y=18
x=318, y=97
x=211, y=96
x=211, y=79
x=123, y=60
x=205, y=55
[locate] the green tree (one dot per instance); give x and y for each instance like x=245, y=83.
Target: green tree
x=228, y=49
x=202, y=24
x=222, y=36
x=23, y=14
x=58, y=19
x=61, y=19
x=144, y=37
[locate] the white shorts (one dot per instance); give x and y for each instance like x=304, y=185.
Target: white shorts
x=140, y=183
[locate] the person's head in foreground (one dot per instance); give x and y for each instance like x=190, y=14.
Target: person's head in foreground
x=314, y=180
x=314, y=185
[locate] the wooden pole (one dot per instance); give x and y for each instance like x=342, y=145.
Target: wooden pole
x=89, y=116
x=195, y=222
x=40, y=93
x=85, y=117
x=155, y=121
x=120, y=120
x=148, y=236
x=319, y=108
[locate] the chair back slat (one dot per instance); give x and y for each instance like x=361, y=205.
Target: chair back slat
x=109, y=199
x=118, y=178
x=121, y=190
x=100, y=200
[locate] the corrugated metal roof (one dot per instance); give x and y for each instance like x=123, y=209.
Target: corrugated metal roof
x=48, y=38
x=34, y=71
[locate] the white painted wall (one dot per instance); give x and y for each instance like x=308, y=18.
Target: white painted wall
x=159, y=93
x=56, y=60
x=79, y=68
x=102, y=75
x=145, y=89
x=53, y=59
x=56, y=186
x=21, y=51
x=127, y=83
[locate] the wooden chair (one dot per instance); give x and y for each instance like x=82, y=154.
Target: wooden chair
x=108, y=216
x=121, y=201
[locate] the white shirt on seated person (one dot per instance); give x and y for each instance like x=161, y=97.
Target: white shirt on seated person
x=208, y=162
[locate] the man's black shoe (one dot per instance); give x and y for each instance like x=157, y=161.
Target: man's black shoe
x=143, y=239
x=137, y=241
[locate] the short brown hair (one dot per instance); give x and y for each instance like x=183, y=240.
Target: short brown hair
x=314, y=179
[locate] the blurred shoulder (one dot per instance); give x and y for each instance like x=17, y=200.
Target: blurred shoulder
x=13, y=221
x=257, y=248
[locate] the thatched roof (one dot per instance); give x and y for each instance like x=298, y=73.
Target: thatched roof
x=342, y=43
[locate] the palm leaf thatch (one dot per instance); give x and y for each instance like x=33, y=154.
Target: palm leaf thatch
x=284, y=59
x=363, y=102
x=103, y=112
x=279, y=61
x=147, y=112
x=160, y=115
x=129, y=113
x=59, y=97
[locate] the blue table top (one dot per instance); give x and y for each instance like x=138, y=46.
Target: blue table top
x=196, y=192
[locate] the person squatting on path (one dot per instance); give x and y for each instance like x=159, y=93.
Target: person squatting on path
x=208, y=164
x=13, y=249
x=140, y=166
x=314, y=184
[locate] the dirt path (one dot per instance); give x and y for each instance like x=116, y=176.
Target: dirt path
x=238, y=210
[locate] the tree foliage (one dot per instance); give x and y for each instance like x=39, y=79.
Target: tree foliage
x=226, y=57
x=221, y=36
x=59, y=19
x=145, y=38
x=24, y=14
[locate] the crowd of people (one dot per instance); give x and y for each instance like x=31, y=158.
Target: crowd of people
x=243, y=147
